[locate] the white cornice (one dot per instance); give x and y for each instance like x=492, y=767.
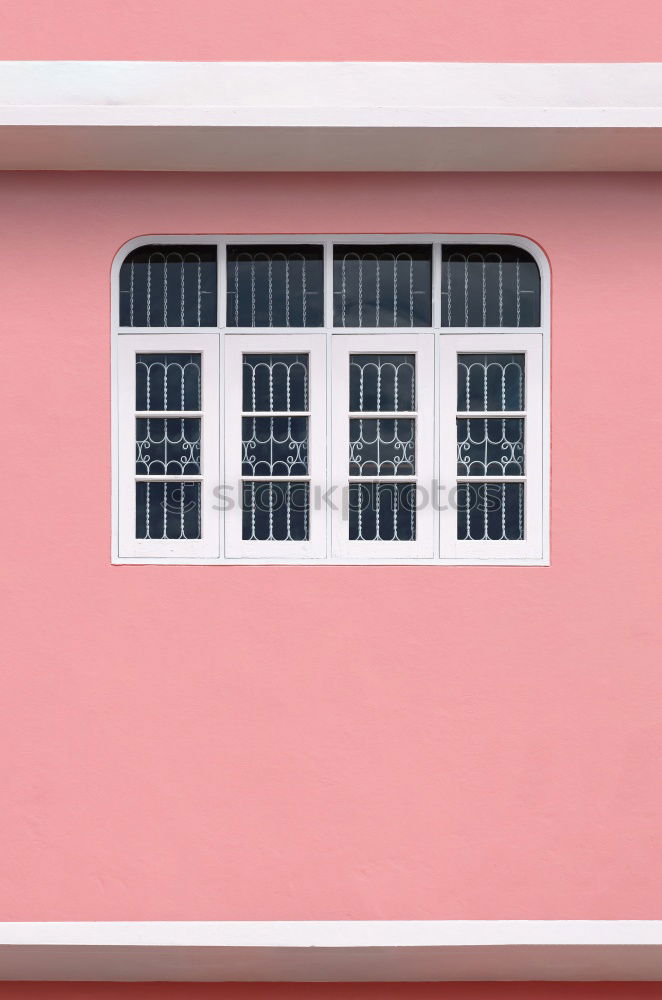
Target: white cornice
x=333, y=951
x=330, y=116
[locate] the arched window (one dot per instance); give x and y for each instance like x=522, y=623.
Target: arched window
x=355, y=399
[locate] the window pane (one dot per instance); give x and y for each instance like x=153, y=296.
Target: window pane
x=489, y=286
x=490, y=511
x=490, y=447
x=168, y=381
x=169, y=286
x=381, y=447
x=382, y=286
x=275, y=286
x=275, y=512
x=274, y=446
x=382, y=512
x=382, y=382
x=168, y=447
x=490, y=382
x=168, y=510
x=275, y=382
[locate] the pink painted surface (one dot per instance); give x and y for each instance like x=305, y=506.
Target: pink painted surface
x=330, y=991
x=340, y=743
x=454, y=30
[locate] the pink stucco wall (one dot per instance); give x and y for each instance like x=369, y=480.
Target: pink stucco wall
x=454, y=30
x=349, y=742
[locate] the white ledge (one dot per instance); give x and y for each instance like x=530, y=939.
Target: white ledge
x=330, y=116
x=333, y=951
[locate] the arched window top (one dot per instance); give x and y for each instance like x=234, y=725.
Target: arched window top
x=167, y=285
x=493, y=285
x=483, y=285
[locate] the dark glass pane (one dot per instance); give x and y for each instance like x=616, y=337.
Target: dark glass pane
x=381, y=446
x=168, y=510
x=489, y=286
x=490, y=447
x=383, y=512
x=382, y=286
x=274, y=446
x=169, y=286
x=168, y=447
x=275, y=512
x=168, y=381
x=275, y=382
x=382, y=382
x=275, y=286
x=490, y=382
x=490, y=512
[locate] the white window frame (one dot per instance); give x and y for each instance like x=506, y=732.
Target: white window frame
x=235, y=348
x=436, y=543
x=422, y=346
x=530, y=548
x=130, y=547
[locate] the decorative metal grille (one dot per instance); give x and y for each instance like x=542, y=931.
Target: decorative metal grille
x=168, y=435
x=275, y=432
x=168, y=286
x=384, y=512
x=490, y=446
x=275, y=286
x=168, y=510
x=168, y=447
x=490, y=511
x=382, y=286
x=168, y=382
x=275, y=446
x=382, y=382
x=490, y=382
x=275, y=382
x=275, y=511
x=382, y=422
x=381, y=447
x=491, y=286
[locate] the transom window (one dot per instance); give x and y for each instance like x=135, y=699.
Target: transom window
x=345, y=400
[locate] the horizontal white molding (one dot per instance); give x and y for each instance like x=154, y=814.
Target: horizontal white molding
x=332, y=951
x=330, y=116
x=328, y=87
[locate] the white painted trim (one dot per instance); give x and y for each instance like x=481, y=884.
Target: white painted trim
x=511, y=554
x=349, y=93
x=333, y=951
x=330, y=116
